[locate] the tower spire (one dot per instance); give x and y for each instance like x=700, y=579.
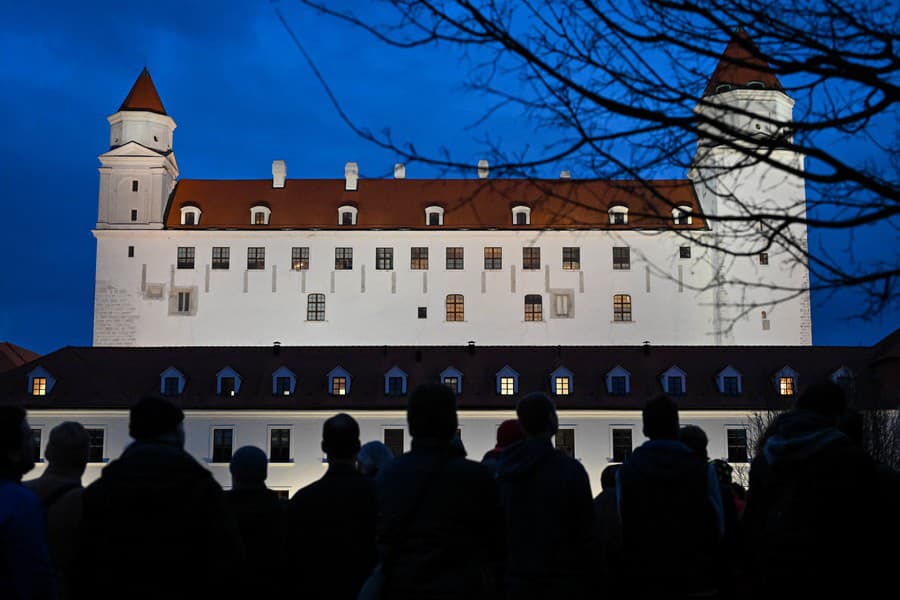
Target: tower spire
x=143, y=95
x=741, y=66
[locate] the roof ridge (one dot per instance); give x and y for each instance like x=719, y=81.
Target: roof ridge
x=143, y=95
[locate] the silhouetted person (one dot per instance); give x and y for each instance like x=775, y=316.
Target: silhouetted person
x=372, y=458
x=440, y=527
x=261, y=520
x=155, y=523
x=25, y=569
x=331, y=536
x=695, y=438
x=671, y=511
x=608, y=528
x=817, y=517
x=508, y=434
x=59, y=489
x=547, y=501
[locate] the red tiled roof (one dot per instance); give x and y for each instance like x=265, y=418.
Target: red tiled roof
x=741, y=63
x=143, y=95
x=467, y=203
x=114, y=378
x=12, y=356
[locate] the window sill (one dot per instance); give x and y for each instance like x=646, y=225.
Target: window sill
x=623, y=322
x=282, y=463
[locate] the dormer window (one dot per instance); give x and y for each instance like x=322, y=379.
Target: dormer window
x=507, y=381
x=618, y=215
x=452, y=378
x=843, y=377
x=785, y=381
x=562, y=382
x=228, y=382
x=434, y=216
x=395, y=382
x=171, y=382
x=728, y=380
x=618, y=382
x=521, y=215
x=339, y=381
x=682, y=215
x=347, y=215
x=40, y=382
x=259, y=215
x=283, y=382
x=674, y=381
x=190, y=215
x=756, y=85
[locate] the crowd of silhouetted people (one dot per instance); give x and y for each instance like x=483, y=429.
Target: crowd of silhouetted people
x=819, y=520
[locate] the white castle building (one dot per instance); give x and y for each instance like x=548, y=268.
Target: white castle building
x=601, y=293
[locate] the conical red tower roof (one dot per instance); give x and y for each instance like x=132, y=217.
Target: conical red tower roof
x=143, y=95
x=741, y=64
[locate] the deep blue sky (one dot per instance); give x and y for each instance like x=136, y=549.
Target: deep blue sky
x=242, y=96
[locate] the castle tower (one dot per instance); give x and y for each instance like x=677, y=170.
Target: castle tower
x=745, y=170
x=139, y=170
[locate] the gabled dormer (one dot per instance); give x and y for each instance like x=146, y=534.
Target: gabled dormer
x=284, y=382
x=729, y=381
x=40, y=382
x=674, y=381
x=228, y=382
x=786, y=381
x=618, y=381
x=562, y=382
x=395, y=381
x=171, y=382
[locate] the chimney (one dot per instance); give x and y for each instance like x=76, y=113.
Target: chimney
x=471, y=347
x=276, y=348
x=646, y=347
x=565, y=174
x=399, y=171
x=351, y=177
x=279, y=173
x=483, y=169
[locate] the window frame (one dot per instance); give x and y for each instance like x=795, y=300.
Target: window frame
x=384, y=259
x=621, y=258
x=618, y=215
x=92, y=446
x=343, y=258
x=572, y=262
x=741, y=450
x=256, y=258
x=523, y=213
x=455, y=258
x=315, y=306
x=223, y=260
x=284, y=446
x=533, y=314
x=185, y=257
x=299, y=258
x=617, y=446
x=215, y=455
x=622, y=308
x=418, y=258
x=455, y=308
x=493, y=258
x=531, y=258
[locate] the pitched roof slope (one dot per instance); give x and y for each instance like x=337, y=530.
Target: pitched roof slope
x=467, y=203
x=11, y=356
x=143, y=95
x=741, y=63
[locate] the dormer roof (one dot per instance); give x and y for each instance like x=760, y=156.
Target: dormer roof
x=143, y=96
x=740, y=64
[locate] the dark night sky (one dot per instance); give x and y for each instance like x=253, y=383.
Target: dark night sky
x=242, y=96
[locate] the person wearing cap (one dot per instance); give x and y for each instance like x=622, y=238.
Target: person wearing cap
x=508, y=434
x=155, y=524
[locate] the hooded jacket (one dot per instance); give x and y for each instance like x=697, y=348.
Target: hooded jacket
x=546, y=496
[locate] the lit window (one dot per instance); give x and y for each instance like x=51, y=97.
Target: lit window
x=227, y=386
x=38, y=386
x=571, y=258
x=565, y=442
x=185, y=257
x=222, y=445
x=452, y=383
x=221, y=257
x=300, y=259
x=280, y=445
x=561, y=386
x=455, y=307
x=531, y=258
x=534, y=307
x=621, y=307
x=507, y=386
x=338, y=386
x=493, y=258
x=282, y=386
x=621, y=258
x=737, y=446
x=786, y=386
x=455, y=258
x=418, y=259
x=256, y=258
x=384, y=259
x=618, y=215
x=315, y=307
x=343, y=259
x=622, y=445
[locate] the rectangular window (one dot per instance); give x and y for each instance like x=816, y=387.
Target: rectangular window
x=95, y=445
x=393, y=439
x=452, y=383
x=534, y=307
x=282, y=386
x=434, y=218
x=737, y=446
x=621, y=307
x=730, y=386
x=130, y=251
x=493, y=258
x=343, y=259
x=221, y=257
x=38, y=386
x=418, y=259
x=227, y=386
x=395, y=386
x=222, y=445
x=563, y=305
x=571, y=260
x=338, y=386
x=36, y=438
x=521, y=218
x=256, y=258
x=384, y=259
x=621, y=444
x=684, y=252
x=454, y=258
x=134, y=214
x=507, y=386
x=621, y=257
x=675, y=385
x=259, y=218
x=185, y=257
x=561, y=386
x=423, y=312
x=170, y=386
x=346, y=218
x=619, y=385
x=300, y=259
x=280, y=445
x=134, y=185
x=531, y=258
x=189, y=219
x=763, y=258
x=565, y=441
x=184, y=302
x=456, y=310
x=786, y=386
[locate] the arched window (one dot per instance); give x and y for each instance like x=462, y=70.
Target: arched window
x=621, y=307
x=259, y=215
x=190, y=215
x=315, y=307
x=534, y=310
x=521, y=215
x=455, y=307
x=347, y=215
x=618, y=215
x=682, y=215
x=434, y=215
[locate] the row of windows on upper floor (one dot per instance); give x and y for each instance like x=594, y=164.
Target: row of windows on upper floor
x=434, y=215
x=673, y=381
x=418, y=258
